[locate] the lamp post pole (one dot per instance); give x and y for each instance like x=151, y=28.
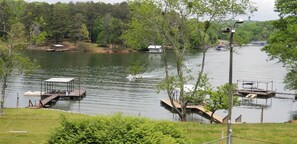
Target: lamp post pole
x=230, y=30
x=230, y=96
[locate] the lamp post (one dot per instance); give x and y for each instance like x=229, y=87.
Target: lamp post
x=230, y=30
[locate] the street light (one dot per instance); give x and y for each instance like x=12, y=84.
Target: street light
x=230, y=30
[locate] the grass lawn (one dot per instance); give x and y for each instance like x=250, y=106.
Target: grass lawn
x=40, y=122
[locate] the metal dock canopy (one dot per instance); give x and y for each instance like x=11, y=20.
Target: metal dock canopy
x=60, y=80
x=50, y=84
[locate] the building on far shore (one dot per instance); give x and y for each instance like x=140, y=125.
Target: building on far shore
x=155, y=49
x=258, y=43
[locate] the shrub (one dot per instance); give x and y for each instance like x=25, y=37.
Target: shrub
x=117, y=129
x=82, y=46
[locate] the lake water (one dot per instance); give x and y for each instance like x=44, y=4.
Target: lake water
x=110, y=92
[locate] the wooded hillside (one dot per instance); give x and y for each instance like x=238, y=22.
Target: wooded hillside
x=101, y=23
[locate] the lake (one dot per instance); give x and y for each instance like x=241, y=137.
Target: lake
x=104, y=76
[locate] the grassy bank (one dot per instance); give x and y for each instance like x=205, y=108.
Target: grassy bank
x=40, y=122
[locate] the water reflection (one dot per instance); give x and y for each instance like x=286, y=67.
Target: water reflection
x=110, y=92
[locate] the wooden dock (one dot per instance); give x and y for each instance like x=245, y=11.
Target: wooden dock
x=197, y=108
x=48, y=98
x=260, y=93
x=260, y=88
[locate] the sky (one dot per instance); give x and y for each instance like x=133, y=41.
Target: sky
x=265, y=7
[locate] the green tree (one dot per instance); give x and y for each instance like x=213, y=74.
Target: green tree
x=59, y=24
x=106, y=29
x=139, y=35
x=4, y=16
x=75, y=32
x=10, y=58
x=169, y=20
x=63, y=21
x=84, y=33
x=10, y=12
x=218, y=99
x=38, y=34
x=109, y=30
x=282, y=43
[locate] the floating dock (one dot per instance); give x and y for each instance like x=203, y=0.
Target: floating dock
x=47, y=99
x=51, y=93
x=259, y=88
x=197, y=108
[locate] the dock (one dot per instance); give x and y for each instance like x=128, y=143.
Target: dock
x=259, y=88
x=259, y=93
x=52, y=93
x=47, y=99
x=196, y=108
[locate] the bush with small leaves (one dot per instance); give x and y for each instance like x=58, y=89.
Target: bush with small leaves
x=117, y=129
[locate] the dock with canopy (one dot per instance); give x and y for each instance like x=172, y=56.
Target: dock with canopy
x=55, y=88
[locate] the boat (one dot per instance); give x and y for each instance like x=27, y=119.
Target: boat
x=131, y=77
x=221, y=47
x=34, y=93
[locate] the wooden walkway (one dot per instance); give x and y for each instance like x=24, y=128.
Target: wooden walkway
x=216, y=118
x=46, y=99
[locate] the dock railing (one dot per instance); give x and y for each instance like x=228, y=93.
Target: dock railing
x=255, y=85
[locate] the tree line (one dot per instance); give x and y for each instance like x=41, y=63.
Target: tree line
x=94, y=22
x=102, y=23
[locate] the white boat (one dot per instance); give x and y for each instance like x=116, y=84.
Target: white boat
x=131, y=77
x=30, y=93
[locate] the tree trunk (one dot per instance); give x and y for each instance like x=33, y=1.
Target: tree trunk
x=3, y=87
x=183, y=111
x=211, y=116
x=183, y=117
x=7, y=71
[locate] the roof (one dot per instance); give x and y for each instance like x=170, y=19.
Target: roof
x=58, y=45
x=59, y=80
x=155, y=47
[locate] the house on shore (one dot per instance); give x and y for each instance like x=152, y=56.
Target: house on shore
x=155, y=49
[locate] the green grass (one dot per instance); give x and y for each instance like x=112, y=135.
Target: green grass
x=284, y=133
x=39, y=123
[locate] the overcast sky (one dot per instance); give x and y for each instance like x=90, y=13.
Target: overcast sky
x=265, y=7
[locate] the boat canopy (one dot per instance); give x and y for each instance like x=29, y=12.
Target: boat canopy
x=60, y=80
x=51, y=85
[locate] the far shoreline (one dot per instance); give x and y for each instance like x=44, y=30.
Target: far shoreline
x=89, y=48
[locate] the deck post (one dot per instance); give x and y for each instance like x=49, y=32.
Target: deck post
x=262, y=110
x=17, y=103
x=40, y=103
x=30, y=103
x=266, y=103
x=78, y=85
x=40, y=86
